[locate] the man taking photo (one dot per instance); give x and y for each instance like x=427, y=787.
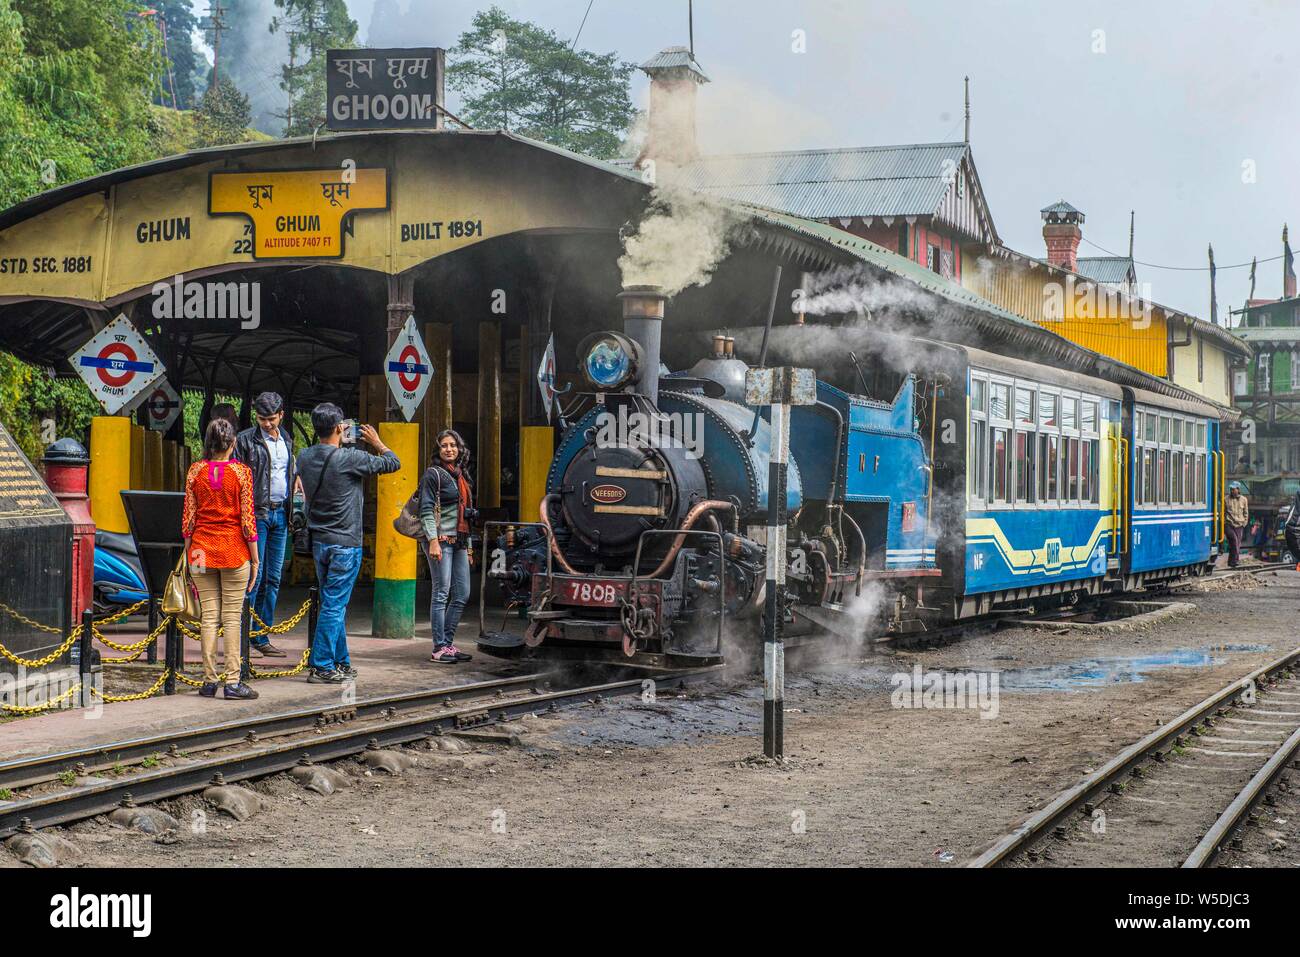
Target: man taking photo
x=333, y=479
x=268, y=451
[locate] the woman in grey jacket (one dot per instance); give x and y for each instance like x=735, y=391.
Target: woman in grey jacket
x=446, y=512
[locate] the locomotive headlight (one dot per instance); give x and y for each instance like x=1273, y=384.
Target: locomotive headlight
x=608, y=360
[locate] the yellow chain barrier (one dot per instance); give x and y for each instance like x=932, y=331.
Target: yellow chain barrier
x=42, y=662
x=284, y=627
x=29, y=622
x=257, y=673
x=123, y=660
x=137, y=646
x=194, y=682
x=281, y=629
x=33, y=709
x=139, y=696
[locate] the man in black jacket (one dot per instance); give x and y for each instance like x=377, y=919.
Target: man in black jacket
x=268, y=451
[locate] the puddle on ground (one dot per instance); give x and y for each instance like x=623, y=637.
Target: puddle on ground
x=706, y=713
x=1099, y=672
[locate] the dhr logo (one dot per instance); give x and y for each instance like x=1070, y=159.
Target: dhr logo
x=179, y=299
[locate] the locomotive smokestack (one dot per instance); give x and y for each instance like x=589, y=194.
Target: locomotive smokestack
x=643, y=319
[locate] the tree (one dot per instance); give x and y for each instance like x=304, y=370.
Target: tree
x=251, y=57
x=184, y=61
x=517, y=76
x=75, y=95
x=223, y=115
x=311, y=27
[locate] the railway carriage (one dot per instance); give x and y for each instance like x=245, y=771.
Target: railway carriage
x=964, y=484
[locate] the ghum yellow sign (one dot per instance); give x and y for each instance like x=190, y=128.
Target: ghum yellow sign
x=298, y=214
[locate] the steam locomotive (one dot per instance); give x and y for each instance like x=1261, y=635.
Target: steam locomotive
x=963, y=484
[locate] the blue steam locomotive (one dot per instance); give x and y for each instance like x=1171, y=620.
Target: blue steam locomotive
x=956, y=483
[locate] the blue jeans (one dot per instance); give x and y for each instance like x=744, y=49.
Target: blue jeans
x=450, y=579
x=272, y=535
x=337, y=567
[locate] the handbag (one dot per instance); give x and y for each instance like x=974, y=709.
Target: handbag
x=180, y=597
x=408, y=521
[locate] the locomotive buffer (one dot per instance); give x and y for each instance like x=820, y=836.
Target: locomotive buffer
x=778, y=389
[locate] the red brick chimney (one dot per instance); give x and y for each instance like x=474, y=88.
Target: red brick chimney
x=675, y=75
x=1061, y=232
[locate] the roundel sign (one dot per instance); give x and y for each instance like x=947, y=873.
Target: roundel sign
x=117, y=365
x=162, y=406
x=408, y=369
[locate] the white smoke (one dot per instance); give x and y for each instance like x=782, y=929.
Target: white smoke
x=679, y=241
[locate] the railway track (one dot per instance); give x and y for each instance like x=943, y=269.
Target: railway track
x=61, y=788
x=1180, y=794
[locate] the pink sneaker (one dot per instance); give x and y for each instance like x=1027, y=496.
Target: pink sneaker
x=460, y=655
x=444, y=656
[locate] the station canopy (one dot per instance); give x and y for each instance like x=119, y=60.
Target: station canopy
x=299, y=251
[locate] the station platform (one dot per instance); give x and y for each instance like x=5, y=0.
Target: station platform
x=386, y=666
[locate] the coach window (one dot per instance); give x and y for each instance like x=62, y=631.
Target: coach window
x=999, y=441
x=1088, y=491
x=1164, y=481
x=978, y=467
x=1138, y=416
x=1176, y=460
x=1200, y=462
x=1025, y=444
x=1049, y=440
x=1070, y=448
x=1150, y=455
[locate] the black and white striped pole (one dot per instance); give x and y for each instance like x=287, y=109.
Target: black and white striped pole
x=778, y=389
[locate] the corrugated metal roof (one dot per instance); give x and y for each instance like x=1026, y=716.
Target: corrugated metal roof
x=674, y=56
x=1267, y=334
x=820, y=184
x=1108, y=269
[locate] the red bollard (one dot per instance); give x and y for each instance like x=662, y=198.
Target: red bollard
x=66, y=467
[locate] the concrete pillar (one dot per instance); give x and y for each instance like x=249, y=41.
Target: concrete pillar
x=110, y=470
x=395, y=555
x=393, y=611
x=436, y=410
x=153, y=461
x=488, y=451
x=137, y=456
x=170, y=467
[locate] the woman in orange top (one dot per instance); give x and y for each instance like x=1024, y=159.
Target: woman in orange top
x=220, y=529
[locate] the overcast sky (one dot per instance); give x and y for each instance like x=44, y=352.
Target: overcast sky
x=1152, y=105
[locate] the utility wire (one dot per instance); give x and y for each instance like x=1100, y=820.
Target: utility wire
x=574, y=45
x=1217, y=267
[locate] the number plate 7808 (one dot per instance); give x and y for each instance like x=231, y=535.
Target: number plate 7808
x=592, y=592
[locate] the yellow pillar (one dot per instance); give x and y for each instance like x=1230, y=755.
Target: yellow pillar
x=153, y=461
x=489, y=415
x=396, y=555
x=110, y=470
x=536, y=449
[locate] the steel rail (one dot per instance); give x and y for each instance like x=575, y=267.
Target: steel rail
x=1071, y=799
x=30, y=770
x=88, y=800
x=1250, y=795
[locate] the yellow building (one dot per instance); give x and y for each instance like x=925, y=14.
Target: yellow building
x=1098, y=304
